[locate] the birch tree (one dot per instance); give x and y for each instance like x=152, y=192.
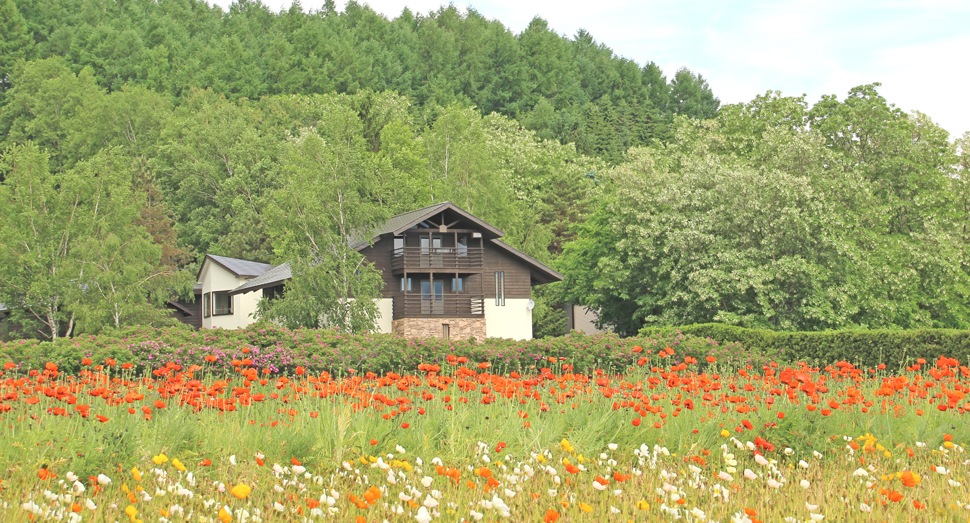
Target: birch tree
x=325, y=204
x=71, y=256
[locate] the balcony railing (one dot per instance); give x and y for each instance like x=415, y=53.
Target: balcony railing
x=443, y=305
x=443, y=258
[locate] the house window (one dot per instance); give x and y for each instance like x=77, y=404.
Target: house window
x=206, y=299
x=273, y=293
x=398, y=247
x=500, y=288
x=406, y=284
x=457, y=284
x=445, y=331
x=462, y=246
x=221, y=303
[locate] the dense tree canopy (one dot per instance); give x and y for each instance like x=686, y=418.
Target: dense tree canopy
x=205, y=131
x=779, y=216
x=576, y=90
x=73, y=258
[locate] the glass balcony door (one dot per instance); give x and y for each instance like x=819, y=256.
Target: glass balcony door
x=432, y=297
x=431, y=251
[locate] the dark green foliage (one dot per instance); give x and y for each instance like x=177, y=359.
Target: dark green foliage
x=435, y=59
x=864, y=348
x=848, y=215
x=15, y=42
x=271, y=347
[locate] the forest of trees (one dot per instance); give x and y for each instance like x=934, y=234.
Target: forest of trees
x=137, y=136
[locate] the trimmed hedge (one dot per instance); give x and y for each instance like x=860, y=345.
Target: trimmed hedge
x=280, y=350
x=864, y=348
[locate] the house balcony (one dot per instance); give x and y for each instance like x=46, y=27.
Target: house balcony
x=439, y=305
x=445, y=259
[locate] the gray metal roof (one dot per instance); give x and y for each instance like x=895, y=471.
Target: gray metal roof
x=241, y=268
x=401, y=222
x=396, y=222
x=272, y=277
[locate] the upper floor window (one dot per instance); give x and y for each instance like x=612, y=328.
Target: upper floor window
x=398, y=246
x=221, y=303
x=457, y=284
x=500, y=288
x=206, y=301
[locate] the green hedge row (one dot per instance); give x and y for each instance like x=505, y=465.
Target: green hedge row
x=280, y=350
x=868, y=348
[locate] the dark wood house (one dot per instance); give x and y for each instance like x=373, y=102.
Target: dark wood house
x=446, y=274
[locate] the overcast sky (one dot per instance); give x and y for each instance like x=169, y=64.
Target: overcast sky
x=919, y=51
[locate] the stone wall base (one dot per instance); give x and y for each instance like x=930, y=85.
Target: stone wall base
x=458, y=328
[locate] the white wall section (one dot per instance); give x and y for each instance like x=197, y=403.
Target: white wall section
x=513, y=320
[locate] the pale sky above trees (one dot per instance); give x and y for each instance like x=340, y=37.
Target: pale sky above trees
x=914, y=48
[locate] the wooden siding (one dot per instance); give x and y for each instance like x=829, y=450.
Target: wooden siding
x=380, y=255
x=518, y=279
x=195, y=319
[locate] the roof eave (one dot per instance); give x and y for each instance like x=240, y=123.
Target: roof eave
x=244, y=289
x=445, y=205
x=180, y=307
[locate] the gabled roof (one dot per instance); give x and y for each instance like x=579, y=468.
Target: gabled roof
x=541, y=272
x=241, y=268
x=276, y=275
x=402, y=222
x=270, y=278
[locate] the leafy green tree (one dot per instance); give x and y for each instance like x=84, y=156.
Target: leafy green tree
x=459, y=163
x=72, y=258
x=325, y=203
x=217, y=167
x=48, y=96
x=691, y=96
x=125, y=279
x=15, y=42
x=754, y=221
x=906, y=161
x=40, y=278
x=961, y=187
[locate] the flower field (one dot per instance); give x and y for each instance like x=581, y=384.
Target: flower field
x=666, y=438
